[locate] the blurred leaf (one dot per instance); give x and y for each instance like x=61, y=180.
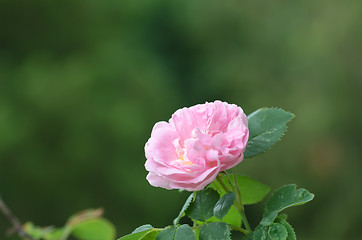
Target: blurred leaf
x=223, y=205
x=251, y=190
x=203, y=206
x=277, y=232
x=94, y=229
x=266, y=127
x=185, y=206
x=54, y=235
x=85, y=225
x=37, y=232
x=215, y=231
x=282, y=198
x=84, y=215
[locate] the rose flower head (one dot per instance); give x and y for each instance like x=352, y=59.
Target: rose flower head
x=198, y=142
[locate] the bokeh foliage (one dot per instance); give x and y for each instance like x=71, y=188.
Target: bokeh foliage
x=83, y=82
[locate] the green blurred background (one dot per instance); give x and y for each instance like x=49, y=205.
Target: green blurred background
x=83, y=82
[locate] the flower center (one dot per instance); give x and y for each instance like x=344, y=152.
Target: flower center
x=181, y=153
x=182, y=161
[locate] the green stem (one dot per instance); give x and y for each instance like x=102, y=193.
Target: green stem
x=228, y=177
x=233, y=227
x=197, y=227
x=194, y=193
x=245, y=221
x=240, y=203
x=237, y=190
x=219, y=179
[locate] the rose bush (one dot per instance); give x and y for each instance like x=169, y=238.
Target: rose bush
x=189, y=150
x=193, y=149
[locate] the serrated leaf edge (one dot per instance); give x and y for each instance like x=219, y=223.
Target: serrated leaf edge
x=297, y=204
x=270, y=227
x=284, y=222
x=183, y=209
x=286, y=129
x=215, y=211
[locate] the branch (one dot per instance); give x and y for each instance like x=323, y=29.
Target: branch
x=17, y=227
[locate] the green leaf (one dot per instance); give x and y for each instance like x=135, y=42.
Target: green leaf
x=167, y=234
x=251, y=190
x=84, y=215
x=277, y=232
x=223, y=205
x=142, y=228
x=282, y=216
x=185, y=206
x=215, y=231
x=283, y=198
x=288, y=227
x=232, y=217
x=149, y=234
x=260, y=233
x=55, y=235
x=184, y=232
x=248, y=236
x=40, y=232
x=94, y=229
x=202, y=208
x=280, y=230
x=266, y=127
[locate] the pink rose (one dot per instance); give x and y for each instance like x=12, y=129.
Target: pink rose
x=195, y=145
